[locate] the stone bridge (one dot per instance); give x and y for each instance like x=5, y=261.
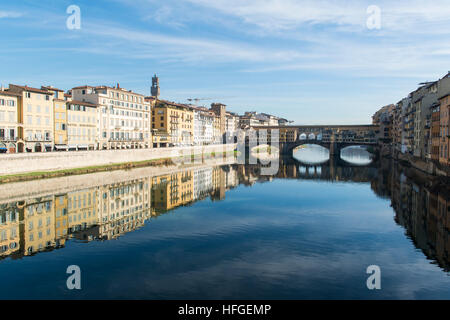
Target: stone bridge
x=334, y=137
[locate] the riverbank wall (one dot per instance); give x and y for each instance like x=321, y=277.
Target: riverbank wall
x=19, y=191
x=426, y=166
x=24, y=163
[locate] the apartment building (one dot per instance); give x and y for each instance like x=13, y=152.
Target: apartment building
x=123, y=116
x=444, y=118
x=9, y=129
x=82, y=120
x=203, y=126
x=172, y=124
x=59, y=117
x=35, y=118
x=435, y=131
x=220, y=121
x=231, y=126
x=423, y=98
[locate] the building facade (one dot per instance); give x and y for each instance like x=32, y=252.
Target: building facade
x=35, y=118
x=123, y=116
x=82, y=120
x=172, y=124
x=9, y=114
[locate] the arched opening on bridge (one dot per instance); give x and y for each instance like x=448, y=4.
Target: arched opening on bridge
x=311, y=154
x=311, y=136
x=356, y=155
x=302, y=136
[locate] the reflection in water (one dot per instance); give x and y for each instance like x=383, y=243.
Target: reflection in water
x=309, y=233
x=312, y=154
x=356, y=155
x=104, y=212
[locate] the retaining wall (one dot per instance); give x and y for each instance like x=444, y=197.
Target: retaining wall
x=52, y=161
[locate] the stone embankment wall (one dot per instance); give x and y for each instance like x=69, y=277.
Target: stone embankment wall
x=428, y=167
x=20, y=191
x=36, y=162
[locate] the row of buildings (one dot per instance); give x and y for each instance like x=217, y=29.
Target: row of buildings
x=418, y=124
x=103, y=117
x=104, y=212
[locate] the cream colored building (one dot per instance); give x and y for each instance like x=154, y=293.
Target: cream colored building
x=123, y=207
x=36, y=118
x=9, y=114
x=123, y=116
x=81, y=209
x=82, y=119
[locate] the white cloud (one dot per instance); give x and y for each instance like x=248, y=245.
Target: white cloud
x=10, y=14
x=179, y=48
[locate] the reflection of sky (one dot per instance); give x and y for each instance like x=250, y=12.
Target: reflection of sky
x=315, y=154
x=312, y=154
x=356, y=155
x=284, y=239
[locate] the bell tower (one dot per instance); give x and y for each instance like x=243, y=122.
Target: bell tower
x=154, y=90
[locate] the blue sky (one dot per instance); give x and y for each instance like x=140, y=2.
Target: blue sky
x=310, y=61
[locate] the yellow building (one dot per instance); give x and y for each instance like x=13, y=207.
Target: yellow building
x=9, y=114
x=61, y=219
x=35, y=117
x=81, y=209
x=171, y=191
x=38, y=225
x=172, y=124
x=9, y=229
x=59, y=117
x=81, y=125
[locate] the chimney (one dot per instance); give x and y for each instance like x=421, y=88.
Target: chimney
x=118, y=86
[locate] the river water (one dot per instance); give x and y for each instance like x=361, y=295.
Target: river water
x=308, y=232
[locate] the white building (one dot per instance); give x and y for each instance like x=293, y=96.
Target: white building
x=203, y=183
x=203, y=126
x=123, y=116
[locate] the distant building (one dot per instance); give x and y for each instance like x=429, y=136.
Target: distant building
x=154, y=90
x=203, y=126
x=9, y=125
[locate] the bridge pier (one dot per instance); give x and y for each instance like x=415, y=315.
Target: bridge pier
x=335, y=150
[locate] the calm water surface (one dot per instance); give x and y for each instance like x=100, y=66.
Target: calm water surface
x=309, y=232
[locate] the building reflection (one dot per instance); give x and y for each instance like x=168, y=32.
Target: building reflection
x=104, y=212
x=422, y=207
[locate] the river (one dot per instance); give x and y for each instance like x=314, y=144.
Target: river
x=228, y=232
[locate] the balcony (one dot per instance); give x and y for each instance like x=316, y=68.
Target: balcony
x=125, y=139
x=8, y=139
